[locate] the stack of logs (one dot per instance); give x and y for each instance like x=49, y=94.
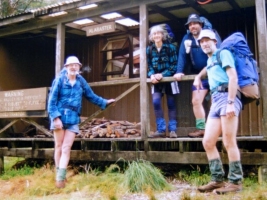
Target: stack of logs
x=104, y=128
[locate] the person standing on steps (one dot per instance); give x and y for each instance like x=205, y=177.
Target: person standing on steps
x=191, y=56
x=223, y=116
x=162, y=61
x=64, y=109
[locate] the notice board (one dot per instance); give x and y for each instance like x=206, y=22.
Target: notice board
x=23, y=103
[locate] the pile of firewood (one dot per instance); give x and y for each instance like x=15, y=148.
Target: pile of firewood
x=96, y=128
x=104, y=128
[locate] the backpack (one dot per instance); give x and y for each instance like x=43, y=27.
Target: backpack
x=206, y=25
x=246, y=67
x=170, y=37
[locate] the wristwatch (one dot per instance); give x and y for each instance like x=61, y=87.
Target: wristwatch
x=230, y=101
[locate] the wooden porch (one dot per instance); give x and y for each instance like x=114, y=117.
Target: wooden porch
x=252, y=136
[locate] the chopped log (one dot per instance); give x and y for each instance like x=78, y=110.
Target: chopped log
x=110, y=129
x=131, y=131
x=119, y=133
x=94, y=135
x=99, y=126
x=102, y=132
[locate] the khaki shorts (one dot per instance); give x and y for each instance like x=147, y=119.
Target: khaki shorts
x=219, y=104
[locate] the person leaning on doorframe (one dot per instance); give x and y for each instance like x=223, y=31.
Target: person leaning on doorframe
x=64, y=109
x=194, y=59
x=162, y=61
x=223, y=116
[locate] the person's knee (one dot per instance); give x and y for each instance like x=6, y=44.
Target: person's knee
x=66, y=149
x=157, y=103
x=58, y=146
x=208, y=144
x=196, y=101
x=229, y=144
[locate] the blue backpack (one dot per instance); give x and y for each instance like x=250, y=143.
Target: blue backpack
x=246, y=66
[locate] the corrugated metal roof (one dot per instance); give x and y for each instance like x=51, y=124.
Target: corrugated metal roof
x=17, y=15
x=45, y=10
x=42, y=10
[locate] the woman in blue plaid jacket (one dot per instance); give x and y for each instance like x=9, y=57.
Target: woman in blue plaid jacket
x=162, y=62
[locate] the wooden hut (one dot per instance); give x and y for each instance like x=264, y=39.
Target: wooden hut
x=34, y=45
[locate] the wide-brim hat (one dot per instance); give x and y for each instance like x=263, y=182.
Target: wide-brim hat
x=206, y=33
x=193, y=18
x=72, y=60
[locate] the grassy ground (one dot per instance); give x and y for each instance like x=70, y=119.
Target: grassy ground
x=116, y=181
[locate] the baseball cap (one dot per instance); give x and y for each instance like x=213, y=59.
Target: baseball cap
x=207, y=33
x=193, y=18
x=72, y=60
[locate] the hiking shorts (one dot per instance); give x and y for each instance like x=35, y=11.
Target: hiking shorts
x=70, y=127
x=205, y=85
x=219, y=104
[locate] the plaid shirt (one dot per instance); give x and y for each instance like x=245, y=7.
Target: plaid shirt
x=164, y=62
x=65, y=100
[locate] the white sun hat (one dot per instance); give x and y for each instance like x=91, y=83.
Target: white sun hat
x=208, y=34
x=72, y=60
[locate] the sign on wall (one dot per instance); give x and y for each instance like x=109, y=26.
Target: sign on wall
x=23, y=103
x=100, y=29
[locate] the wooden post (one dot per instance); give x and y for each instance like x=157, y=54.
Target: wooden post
x=144, y=90
x=60, y=47
x=1, y=164
x=262, y=45
x=262, y=174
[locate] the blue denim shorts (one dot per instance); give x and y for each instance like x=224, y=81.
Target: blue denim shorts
x=219, y=103
x=205, y=85
x=70, y=127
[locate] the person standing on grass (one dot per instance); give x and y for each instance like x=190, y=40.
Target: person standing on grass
x=64, y=109
x=162, y=61
x=223, y=116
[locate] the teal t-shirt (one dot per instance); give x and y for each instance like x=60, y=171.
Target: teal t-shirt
x=217, y=73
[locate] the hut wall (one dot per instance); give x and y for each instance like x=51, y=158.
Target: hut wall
x=26, y=63
x=30, y=62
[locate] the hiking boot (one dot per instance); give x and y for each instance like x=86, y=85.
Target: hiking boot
x=211, y=186
x=60, y=184
x=197, y=133
x=157, y=134
x=172, y=134
x=229, y=187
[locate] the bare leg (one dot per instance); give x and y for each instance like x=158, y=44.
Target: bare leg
x=58, y=137
x=197, y=101
x=229, y=131
x=66, y=147
x=212, y=132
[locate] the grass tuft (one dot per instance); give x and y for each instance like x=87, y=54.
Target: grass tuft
x=194, y=177
x=10, y=173
x=142, y=176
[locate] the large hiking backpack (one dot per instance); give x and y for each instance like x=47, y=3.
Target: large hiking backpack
x=206, y=25
x=246, y=67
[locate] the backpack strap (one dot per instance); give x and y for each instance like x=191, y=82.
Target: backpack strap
x=190, y=37
x=218, y=58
